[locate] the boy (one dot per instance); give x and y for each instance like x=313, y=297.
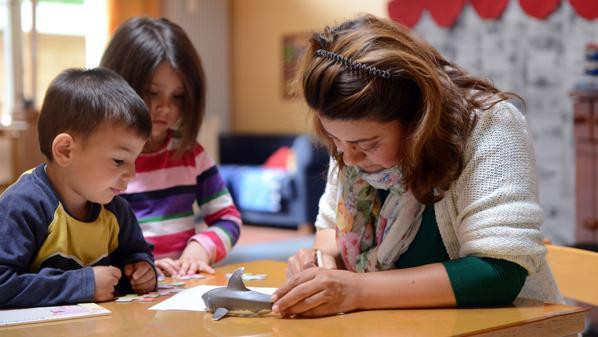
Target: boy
x=64, y=236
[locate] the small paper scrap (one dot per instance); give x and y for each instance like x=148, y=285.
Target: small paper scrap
x=150, y=297
x=189, y=277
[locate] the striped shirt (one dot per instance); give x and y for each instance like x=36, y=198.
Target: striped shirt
x=163, y=193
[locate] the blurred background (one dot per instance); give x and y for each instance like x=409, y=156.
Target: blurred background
x=541, y=50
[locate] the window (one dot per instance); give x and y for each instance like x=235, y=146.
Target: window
x=68, y=33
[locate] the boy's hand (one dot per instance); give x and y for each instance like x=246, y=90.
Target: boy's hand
x=142, y=276
x=194, y=259
x=106, y=278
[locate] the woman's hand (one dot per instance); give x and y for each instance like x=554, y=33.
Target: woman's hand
x=306, y=258
x=194, y=259
x=318, y=292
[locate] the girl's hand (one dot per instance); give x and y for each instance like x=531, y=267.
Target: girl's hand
x=168, y=267
x=305, y=258
x=194, y=259
x=142, y=276
x=318, y=292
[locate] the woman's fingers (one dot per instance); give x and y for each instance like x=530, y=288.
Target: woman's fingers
x=329, y=262
x=292, y=266
x=302, y=260
x=307, y=258
x=308, y=299
x=291, y=282
x=317, y=292
x=295, y=289
x=325, y=309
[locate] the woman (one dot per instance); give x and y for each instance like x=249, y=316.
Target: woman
x=431, y=199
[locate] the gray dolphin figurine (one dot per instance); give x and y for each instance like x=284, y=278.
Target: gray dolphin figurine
x=235, y=298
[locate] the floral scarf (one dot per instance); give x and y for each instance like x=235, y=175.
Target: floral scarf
x=372, y=236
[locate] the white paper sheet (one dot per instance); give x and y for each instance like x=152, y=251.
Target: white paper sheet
x=190, y=299
x=44, y=314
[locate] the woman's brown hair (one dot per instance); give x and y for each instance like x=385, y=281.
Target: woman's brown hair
x=369, y=68
x=139, y=46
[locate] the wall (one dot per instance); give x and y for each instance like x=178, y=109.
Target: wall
x=206, y=22
x=257, y=30
x=540, y=60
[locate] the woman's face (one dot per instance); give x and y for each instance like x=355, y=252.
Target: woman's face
x=365, y=143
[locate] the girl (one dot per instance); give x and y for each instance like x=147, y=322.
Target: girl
x=431, y=199
x=158, y=60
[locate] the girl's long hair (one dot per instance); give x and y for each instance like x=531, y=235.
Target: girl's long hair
x=139, y=46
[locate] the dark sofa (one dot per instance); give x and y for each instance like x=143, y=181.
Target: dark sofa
x=300, y=190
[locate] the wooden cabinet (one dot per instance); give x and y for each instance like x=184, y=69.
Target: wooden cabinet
x=585, y=114
x=24, y=146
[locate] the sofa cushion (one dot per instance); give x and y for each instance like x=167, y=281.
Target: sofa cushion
x=282, y=158
x=260, y=189
x=256, y=188
x=300, y=189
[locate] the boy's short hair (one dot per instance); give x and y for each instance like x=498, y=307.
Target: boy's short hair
x=78, y=101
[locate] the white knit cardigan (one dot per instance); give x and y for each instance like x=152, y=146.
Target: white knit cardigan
x=492, y=209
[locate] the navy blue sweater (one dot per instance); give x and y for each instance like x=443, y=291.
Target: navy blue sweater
x=47, y=255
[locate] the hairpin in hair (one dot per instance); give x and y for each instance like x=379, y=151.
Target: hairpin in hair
x=352, y=65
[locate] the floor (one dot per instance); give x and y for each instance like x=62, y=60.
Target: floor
x=268, y=243
x=252, y=234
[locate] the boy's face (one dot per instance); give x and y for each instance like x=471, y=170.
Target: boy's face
x=102, y=165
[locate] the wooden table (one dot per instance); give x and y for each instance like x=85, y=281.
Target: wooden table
x=133, y=319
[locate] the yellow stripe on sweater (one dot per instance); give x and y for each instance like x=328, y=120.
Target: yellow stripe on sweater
x=84, y=242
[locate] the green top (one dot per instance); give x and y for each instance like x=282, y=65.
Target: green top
x=471, y=277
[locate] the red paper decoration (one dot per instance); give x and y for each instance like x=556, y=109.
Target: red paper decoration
x=539, y=9
x=406, y=12
x=489, y=9
x=587, y=9
x=445, y=12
